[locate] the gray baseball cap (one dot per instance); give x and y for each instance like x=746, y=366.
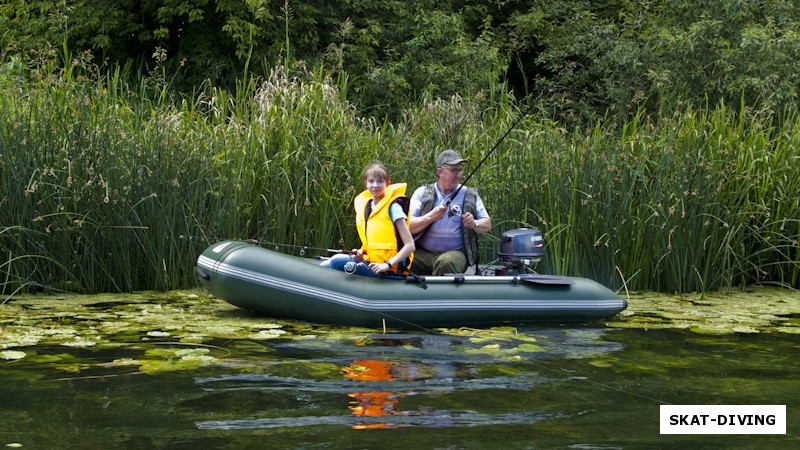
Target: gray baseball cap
x=448, y=156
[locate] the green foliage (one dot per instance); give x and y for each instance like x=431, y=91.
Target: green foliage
x=746, y=49
x=133, y=187
x=584, y=59
x=617, y=57
x=438, y=59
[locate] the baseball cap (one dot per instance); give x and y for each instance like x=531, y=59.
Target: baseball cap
x=448, y=156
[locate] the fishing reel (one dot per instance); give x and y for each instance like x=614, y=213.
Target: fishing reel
x=520, y=250
x=454, y=210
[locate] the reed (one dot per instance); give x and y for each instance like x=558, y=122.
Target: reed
x=108, y=186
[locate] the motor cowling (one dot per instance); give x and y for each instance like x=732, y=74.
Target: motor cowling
x=521, y=247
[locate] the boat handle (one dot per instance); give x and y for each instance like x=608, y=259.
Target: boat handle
x=200, y=274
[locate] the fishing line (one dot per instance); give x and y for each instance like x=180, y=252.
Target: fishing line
x=600, y=384
x=411, y=324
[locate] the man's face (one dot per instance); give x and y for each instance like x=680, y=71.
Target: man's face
x=449, y=176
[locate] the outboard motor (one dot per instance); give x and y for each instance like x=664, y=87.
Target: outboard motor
x=520, y=248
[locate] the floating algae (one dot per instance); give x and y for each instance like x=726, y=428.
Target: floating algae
x=161, y=332
x=751, y=310
x=175, y=331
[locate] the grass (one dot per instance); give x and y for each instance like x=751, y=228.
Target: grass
x=109, y=187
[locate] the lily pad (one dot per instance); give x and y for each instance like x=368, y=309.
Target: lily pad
x=12, y=354
x=172, y=359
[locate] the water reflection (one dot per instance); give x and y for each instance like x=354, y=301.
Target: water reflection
x=388, y=381
x=378, y=403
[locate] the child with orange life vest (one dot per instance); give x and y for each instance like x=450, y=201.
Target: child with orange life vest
x=382, y=222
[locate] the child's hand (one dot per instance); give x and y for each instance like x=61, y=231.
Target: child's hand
x=379, y=268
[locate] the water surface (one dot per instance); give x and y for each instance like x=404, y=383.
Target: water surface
x=190, y=372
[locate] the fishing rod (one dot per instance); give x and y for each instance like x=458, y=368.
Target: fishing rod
x=302, y=248
x=485, y=157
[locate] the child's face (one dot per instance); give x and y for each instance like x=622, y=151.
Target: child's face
x=376, y=186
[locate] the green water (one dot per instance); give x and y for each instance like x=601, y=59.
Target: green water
x=189, y=372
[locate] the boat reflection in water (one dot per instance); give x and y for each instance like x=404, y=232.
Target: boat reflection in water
x=378, y=403
x=405, y=386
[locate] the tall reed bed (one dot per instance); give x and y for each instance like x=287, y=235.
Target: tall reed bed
x=692, y=201
x=110, y=187
x=105, y=190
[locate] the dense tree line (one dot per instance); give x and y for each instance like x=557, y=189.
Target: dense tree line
x=575, y=56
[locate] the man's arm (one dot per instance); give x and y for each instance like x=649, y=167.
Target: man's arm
x=483, y=225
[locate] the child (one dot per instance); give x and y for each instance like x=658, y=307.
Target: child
x=382, y=222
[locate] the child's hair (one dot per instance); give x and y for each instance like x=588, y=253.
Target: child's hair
x=376, y=169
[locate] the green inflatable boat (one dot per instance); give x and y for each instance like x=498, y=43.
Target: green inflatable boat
x=284, y=286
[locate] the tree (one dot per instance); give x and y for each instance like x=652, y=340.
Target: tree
x=581, y=58
x=741, y=50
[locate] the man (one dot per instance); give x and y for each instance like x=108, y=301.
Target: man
x=446, y=238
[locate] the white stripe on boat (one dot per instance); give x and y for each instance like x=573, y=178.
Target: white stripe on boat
x=294, y=287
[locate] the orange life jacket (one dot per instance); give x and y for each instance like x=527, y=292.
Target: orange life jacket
x=379, y=238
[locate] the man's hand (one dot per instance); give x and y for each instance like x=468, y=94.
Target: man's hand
x=437, y=213
x=417, y=224
x=480, y=226
x=468, y=221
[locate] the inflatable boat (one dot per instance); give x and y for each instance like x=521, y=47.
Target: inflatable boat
x=285, y=286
